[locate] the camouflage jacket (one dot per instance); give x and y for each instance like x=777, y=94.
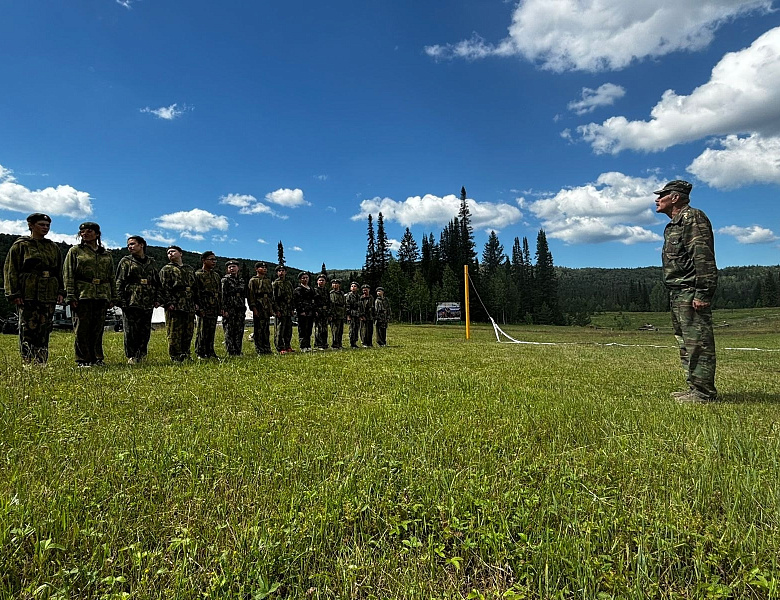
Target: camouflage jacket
x=338, y=305
x=283, y=297
x=177, y=287
x=208, y=292
x=382, y=310
x=33, y=271
x=137, y=282
x=352, y=301
x=303, y=298
x=89, y=274
x=234, y=293
x=261, y=296
x=688, y=255
x=367, y=307
x=321, y=302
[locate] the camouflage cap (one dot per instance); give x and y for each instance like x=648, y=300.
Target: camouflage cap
x=355, y=283
x=336, y=281
x=35, y=217
x=380, y=289
x=365, y=286
x=90, y=225
x=302, y=274
x=281, y=268
x=232, y=262
x=260, y=265
x=678, y=185
x=321, y=276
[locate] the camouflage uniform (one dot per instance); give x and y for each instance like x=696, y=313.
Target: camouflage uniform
x=33, y=272
x=208, y=297
x=138, y=288
x=234, y=302
x=352, y=301
x=303, y=298
x=690, y=273
x=261, y=297
x=338, y=312
x=321, y=314
x=382, y=313
x=177, y=290
x=283, y=301
x=367, y=321
x=89, y=280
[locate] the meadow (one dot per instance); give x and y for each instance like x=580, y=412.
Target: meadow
x=438, y=467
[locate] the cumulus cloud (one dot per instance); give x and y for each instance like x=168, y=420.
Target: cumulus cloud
x=591, y=35
x=155, y=235
x=20, y=228
x=297, y=249
x=62, y=200
x=192, y=224
x=436, y=210
x=742, y=96
x=287, y=197
x=261, y=241
x=169, y=113
x=750, y=235
x=742, y=161
x=128, y=4
x=616, y=208
x=238, y=200
x=604, y=95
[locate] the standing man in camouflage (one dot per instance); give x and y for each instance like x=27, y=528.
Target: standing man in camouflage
x=352, y=300
x=208, y=294
x=366, y=317
x=177, y=283
x=234, y=302
x=321, y=313
x=261, y=298
x=283, y=303
x=138, y=288
x=33, y=283
x=382, y=315
x=303, y=298
x=691, y=276
x=338, y=312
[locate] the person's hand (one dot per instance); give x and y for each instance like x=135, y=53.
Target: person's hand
x=699, y=304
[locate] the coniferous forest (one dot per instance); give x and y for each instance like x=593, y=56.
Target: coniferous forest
x=511, y=285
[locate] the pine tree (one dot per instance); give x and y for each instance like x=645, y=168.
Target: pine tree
x=492, y=255
x=324, y=271
x=382, y=248
x=370, y=267
x=468, y=252
x=408, y=253
x=280, y=253
x=546, y=284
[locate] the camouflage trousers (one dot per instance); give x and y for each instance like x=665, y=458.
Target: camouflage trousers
x=354, y=331
x=336, y=332
x=35, y=325
x=262, y=336
x=233, y=325
x=305, y=324
x=283, y=333
x=693, y=331
x=367, y=333
x=205, y=331
x=88, y=323
x=321, y=332
x=180, y=327
x=137, y=327
x=381, y=333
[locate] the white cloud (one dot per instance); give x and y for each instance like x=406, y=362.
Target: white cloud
x=261, y=241
x=238, y=200
x=321, y=177
x=616, y=208
x=742, y=96
x=261, y=209
x=750, y=235
x=128, y=4
x=436, y=210
x=20, y=228
x=331, y=208
x=190, y=224
x=297, y=249
x=287, y=197
x=393, y=244
x=169, y=113
x=62, y=200
x=604, y=95
x=742, y=161
x=155, y=235
x=599, y=35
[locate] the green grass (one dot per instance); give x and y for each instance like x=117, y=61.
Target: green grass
x=435, y=468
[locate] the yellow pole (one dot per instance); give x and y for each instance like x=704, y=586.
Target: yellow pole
x=468, y=312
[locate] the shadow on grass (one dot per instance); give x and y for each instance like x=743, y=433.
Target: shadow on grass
x=748, y=398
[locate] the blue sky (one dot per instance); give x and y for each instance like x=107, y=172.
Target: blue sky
x=230, y=126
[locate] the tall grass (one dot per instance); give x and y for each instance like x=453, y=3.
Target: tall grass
x=435, y=468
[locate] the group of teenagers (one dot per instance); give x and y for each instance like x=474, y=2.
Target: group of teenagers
x=36, y=279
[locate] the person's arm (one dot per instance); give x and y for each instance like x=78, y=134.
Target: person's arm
x=11, y=270
x=700, y=244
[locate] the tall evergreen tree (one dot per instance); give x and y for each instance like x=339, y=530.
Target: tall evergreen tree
x=468, y=252
x=370, y=267
x=324, y=271
x=492, y=255
x=280, y=253
x=408, y=253
x=382, y=247
x=528, y=288
x=546, y=283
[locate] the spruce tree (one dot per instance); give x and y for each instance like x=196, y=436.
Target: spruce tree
x=546, y=283
x=280, y=253
x=408, y=253
x=382, y=248
x=370, y=267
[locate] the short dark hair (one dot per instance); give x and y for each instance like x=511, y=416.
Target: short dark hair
x=174, y=247
x=206, y=255
x=138, y=239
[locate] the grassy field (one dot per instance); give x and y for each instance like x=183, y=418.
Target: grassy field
x=434, y=468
